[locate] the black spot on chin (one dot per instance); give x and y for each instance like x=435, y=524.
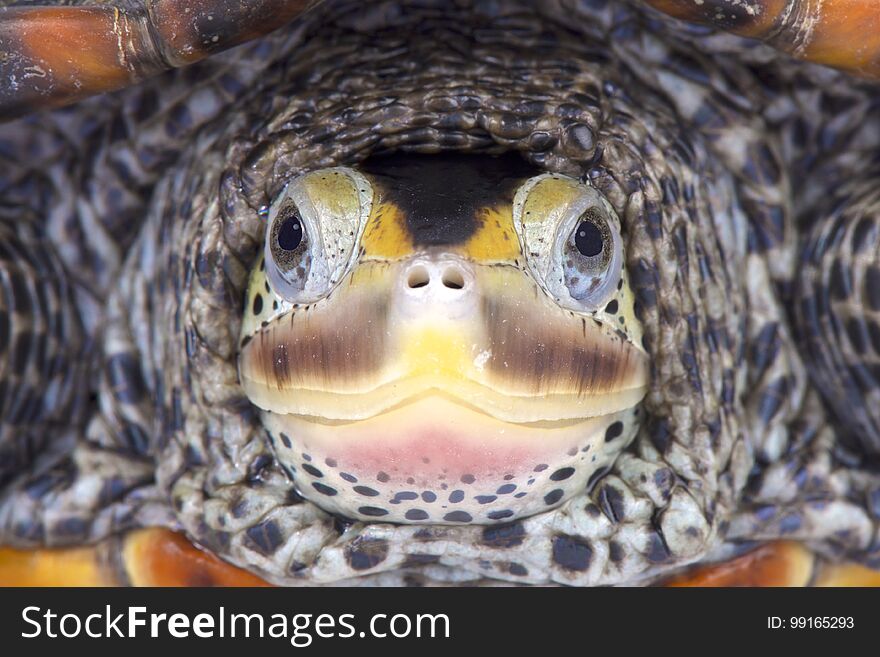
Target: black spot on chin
x=258, y=304
x=416, y=514
x=614, y=431
x=373, y=511
x=323, y=489
x=562, y=474
x=553, y=496
x=458, y=516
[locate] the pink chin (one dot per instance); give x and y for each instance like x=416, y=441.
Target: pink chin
x=435, y=460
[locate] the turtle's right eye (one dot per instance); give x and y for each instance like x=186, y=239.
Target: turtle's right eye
x=315, y=225
x=289, y=244
x=288, y=234
x=290, y=255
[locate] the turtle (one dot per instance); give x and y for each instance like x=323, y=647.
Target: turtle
x=416, y=292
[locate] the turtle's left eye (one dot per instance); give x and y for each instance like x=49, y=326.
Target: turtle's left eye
x=587, y=256
x=571, y=239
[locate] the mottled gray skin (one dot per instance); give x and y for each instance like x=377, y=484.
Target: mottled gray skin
x=718, y=156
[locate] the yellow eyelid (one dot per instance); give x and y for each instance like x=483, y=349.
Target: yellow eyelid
x=549, y=195
x=333, y=192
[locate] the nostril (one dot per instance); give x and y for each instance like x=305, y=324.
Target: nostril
x=418, y=277
x=453, y=279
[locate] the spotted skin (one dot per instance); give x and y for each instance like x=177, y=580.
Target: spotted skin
x=718, y=158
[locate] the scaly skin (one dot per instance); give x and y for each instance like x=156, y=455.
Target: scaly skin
x=713, y=155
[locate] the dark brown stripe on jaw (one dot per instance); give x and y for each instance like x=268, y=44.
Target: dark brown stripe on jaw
x=318, y=348
x=546, y=353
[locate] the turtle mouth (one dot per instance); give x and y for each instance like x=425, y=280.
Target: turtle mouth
x=437, y=459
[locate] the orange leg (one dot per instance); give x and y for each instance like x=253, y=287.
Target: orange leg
x=148, y=557
x=774, y=564
x=777, y=564
x=62, y=54
x=840, y=33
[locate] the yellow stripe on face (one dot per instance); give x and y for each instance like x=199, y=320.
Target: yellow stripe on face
x=386, y=235
x=496, y=240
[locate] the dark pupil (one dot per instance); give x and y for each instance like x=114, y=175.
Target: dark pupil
x=588, y=239
x=290, y=234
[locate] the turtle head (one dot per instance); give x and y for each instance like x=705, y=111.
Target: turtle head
x=442, y=339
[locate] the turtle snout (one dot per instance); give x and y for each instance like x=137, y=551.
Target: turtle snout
x=443, y=286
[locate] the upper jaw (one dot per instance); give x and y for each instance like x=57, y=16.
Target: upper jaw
x=485, y=335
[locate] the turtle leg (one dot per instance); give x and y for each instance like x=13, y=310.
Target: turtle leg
x=840, y=33
x=54, y=55
x=146, y=557
x=782, y=563
x=774, y=564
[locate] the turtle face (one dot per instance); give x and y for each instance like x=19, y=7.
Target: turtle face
x=442, y=339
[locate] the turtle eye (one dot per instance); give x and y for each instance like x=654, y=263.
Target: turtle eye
x=570, y=236
x=288, y=242
x=290, y=256
x=288, y=234
x=587, y=256
x=590, y=237
x=315, y=225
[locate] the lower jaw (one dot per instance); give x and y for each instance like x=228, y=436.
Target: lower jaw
x=439, y=462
